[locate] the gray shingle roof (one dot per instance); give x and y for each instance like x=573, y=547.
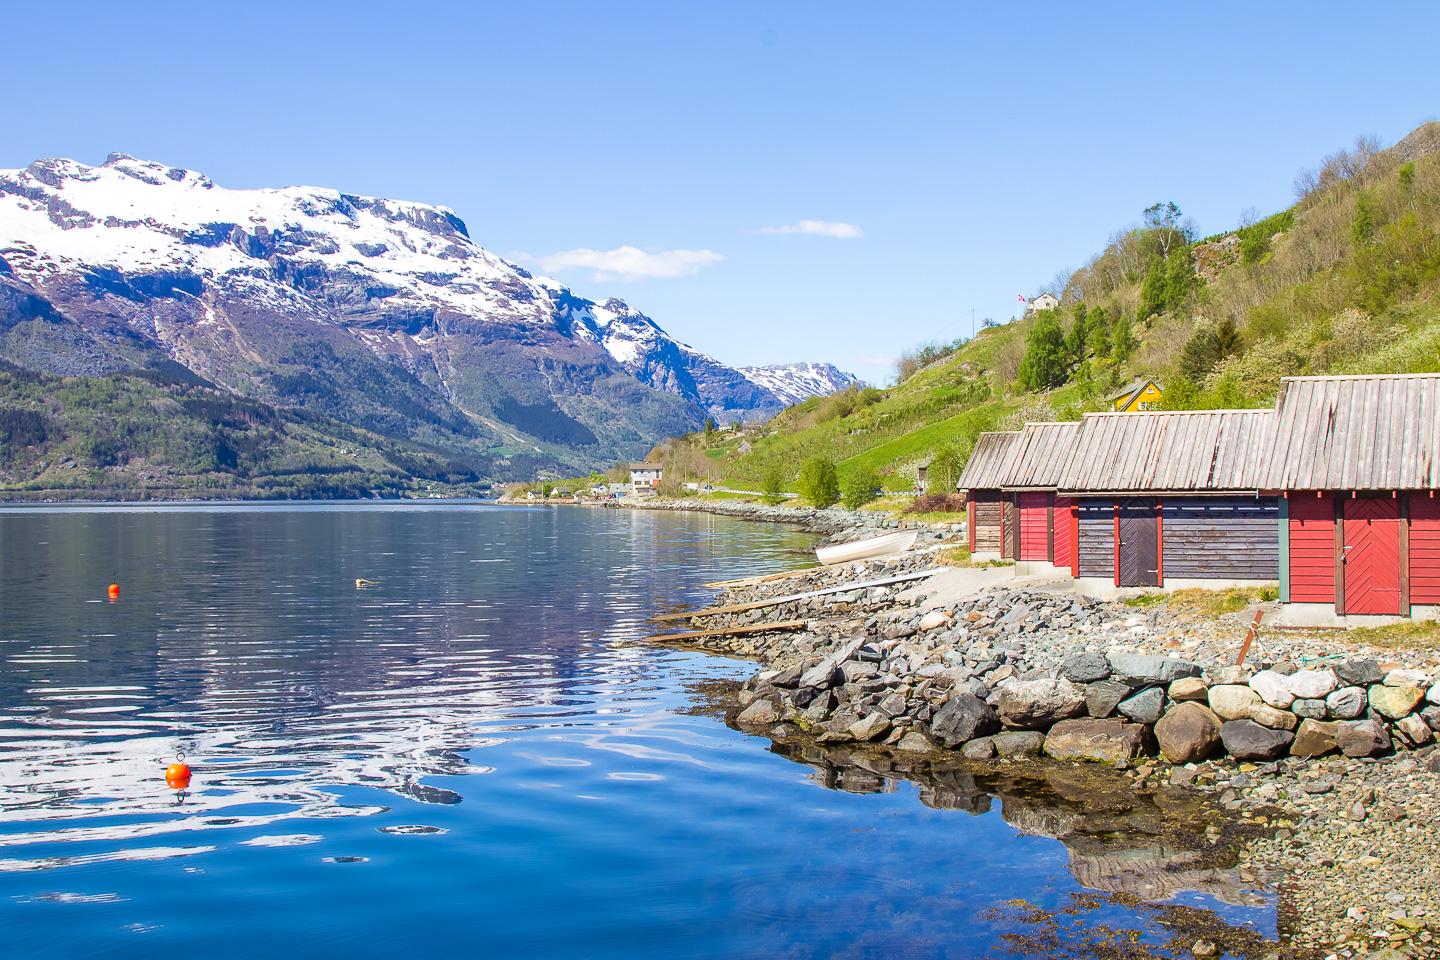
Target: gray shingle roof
x=1219, y=450
x=1356, y=433
x=1038, y=455
x=988, y=461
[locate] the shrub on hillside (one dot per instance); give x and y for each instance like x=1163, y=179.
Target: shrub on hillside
x=859, y=487
x=818, y=483
x=951, y=502
x=772, y=485
x=945, y=467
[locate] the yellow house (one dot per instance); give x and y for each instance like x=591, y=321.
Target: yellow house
x=1140, y=395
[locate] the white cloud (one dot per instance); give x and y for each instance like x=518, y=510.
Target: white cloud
x=630, y=263
x=820, y=228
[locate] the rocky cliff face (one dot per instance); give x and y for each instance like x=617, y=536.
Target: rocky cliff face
x=381, y=313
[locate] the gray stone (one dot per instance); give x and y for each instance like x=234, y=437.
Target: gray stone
x=1309, y=709
x=1019, y=743
x=1248, y=740
x=963, y=717
x=1232, y=701
x=1315, y=738
x=1036, y=704
x=1273, y=688
x=1433, y=694
x=1362, y=738
x=1189, y=688
x=1105, y=741
x=1311, y=684
x=1188, y=733
x=1407, y=678
x=870, y=727
x=1143, y=668
x=934, y=620
x=1145, y=706
x=826, y=673
x=1085, y=667
x=1415, y=730
x=788, y=678
x=1359, y=672
x=1395, y=702
x=1238, y=674
x=982, y=748
x=915, y=742
x=1347, y=703
x=1102, y=698
x=761, y=713
x=1431, y=715
x=1272, y=717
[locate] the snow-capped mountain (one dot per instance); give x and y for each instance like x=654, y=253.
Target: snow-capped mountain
x=378, y=312
x=793, y=382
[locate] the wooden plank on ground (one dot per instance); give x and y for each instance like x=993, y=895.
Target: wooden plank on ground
x=767, y=578
x=730, y=631
x=776, y=601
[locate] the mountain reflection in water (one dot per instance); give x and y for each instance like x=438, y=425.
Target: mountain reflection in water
x=474, y=746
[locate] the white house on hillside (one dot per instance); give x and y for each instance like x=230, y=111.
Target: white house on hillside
x=645, y=476
x=1046, y=301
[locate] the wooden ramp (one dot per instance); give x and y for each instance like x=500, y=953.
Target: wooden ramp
x=776, y=601
x=729, y=631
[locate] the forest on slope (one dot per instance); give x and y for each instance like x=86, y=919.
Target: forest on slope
x=1343, y=281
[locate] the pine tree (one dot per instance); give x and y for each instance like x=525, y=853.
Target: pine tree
x=1046, y=360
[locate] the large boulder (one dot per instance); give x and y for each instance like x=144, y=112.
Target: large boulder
x=1315, y=738
x=1359, y=672
x=869, y=727
x=1311, y=684
x=1362, y=738
x=1415, y=730
x=1036, y=704
x=1188, y=733
x=761, y=713
x=1085, y=667
x=1433, y=694
x=1019, y=743
x=1189, y=688
x=1230, y=701
x=1103, y=741
x=1248, y=740
x=962, y=718
x=1274, y=688
x=1395, y=702
x=1103, y=697
x=1402, y=677
x=1347, y=703
x=1145, y=707
x=1140, y=669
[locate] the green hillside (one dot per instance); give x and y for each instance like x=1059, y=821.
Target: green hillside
x=1344, y=281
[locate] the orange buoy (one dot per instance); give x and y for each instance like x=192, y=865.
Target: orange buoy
x=177, y=776
x=114, y=591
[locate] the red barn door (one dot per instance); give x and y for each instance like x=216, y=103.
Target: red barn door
x=1372, y=556
x=1065, y=530
x=1034, y=526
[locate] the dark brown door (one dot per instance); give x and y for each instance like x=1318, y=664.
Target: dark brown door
x=1008, y=530
x=1139, y=553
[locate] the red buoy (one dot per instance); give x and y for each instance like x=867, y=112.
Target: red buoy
x=114, y=591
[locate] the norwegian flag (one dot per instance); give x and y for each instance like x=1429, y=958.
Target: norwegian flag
x=1020, y=297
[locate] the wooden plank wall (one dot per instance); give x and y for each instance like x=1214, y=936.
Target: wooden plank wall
x=1424, y=549
x=987, y=522
x=1224, y=538
x=1097, y=538
x=1064, y=527
x=1312, y=548
x=1035, y=526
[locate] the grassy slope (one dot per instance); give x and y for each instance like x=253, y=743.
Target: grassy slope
x=1315, y=294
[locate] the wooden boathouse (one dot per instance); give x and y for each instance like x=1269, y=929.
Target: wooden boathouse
x=1042, y=525
x=1172, y=498
x=984, y=509
x=1356, y=466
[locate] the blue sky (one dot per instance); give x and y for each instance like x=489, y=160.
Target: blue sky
x=975, y=150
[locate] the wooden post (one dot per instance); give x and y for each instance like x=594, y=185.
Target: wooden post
x=1015, y=528
x=1159, y=542
x=1284, y=531
x=1116, y=507
x=970, y=518
x=1050, y=527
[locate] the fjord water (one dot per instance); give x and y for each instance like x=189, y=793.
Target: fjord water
x=469, y=757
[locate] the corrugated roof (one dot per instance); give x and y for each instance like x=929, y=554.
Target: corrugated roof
x=1038, y=455
x=988, y=461
x=1356, y=433
x=1169, y=451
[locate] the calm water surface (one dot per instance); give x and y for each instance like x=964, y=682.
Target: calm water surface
x=466, y=758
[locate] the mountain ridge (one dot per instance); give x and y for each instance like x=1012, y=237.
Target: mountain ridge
x=383, y=314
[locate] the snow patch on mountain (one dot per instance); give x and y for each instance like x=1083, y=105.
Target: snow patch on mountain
x=793, y=382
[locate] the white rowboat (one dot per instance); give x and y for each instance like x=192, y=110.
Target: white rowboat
x=881, y=546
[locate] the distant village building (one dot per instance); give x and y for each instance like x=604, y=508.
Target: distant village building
x=1137, y=396
x=1046, y=301
x=921, y=473
x=645, y=477
x=744, y=448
